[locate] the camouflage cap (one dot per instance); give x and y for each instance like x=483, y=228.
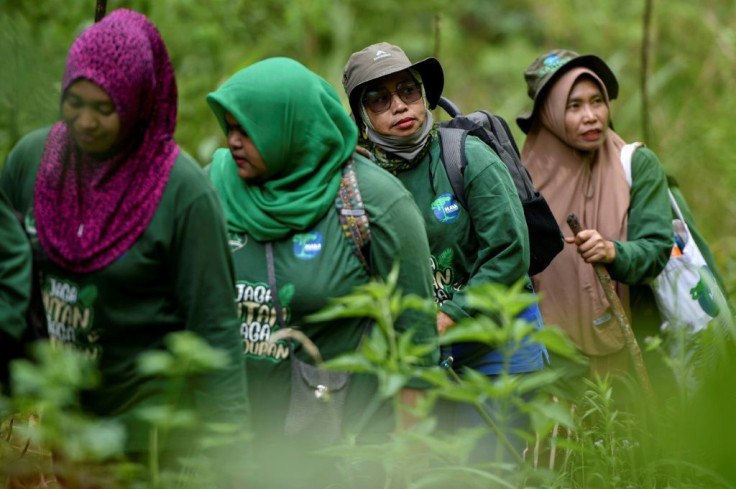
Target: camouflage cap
x=551, y=66
x=382, y=59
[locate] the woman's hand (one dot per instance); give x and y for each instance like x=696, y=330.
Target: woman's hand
x=592, y=247
x=444, y=322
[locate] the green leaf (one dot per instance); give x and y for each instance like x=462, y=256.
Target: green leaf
x=194, y=354
x=390, y=383
x=55, y=376
x=557, y=341
x=166, y=416
x=350, y=362
x=420, y=304
x=155, y=363
x=98, y=440
x=535, y=381
x=481, y=330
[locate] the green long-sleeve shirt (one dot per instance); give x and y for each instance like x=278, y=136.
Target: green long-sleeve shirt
x=649, y=242
x=177, y=276
x=486, y=243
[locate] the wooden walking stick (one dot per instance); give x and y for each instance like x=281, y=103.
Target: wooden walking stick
x=100, y=10
x=618, y=313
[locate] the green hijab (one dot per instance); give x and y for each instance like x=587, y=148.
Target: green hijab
x=304, y=135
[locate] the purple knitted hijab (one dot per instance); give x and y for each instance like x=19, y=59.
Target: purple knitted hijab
x=89, y=212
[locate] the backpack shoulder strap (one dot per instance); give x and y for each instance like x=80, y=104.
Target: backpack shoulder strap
x=452, y=154
x=504, y=144
x=627, y=154
x=501, y=123
x=353, y=218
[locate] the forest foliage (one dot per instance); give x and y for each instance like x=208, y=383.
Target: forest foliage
x=484, y=48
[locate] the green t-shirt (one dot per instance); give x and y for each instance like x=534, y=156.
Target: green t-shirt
x=177, y=276
x=649, y=234
x=310, y=268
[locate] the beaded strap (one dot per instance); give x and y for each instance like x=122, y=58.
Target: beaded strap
x=353, y=218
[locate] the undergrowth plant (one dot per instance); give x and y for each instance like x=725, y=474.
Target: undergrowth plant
x=43, y=417
x=420, y=456
x=610, y=436
x=47, y=437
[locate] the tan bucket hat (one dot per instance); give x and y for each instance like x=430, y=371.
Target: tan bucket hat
x=382, y=59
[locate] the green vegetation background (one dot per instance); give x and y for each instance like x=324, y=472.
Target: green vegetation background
x=483, y=45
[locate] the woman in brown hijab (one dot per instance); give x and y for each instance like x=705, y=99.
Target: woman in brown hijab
x=574, y=158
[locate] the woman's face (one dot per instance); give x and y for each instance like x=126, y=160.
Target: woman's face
x=90, y=116
x=251, y=167
x=586, y=116
x=394, y=105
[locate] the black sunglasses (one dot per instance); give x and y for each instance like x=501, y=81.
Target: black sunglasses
x=380, y=100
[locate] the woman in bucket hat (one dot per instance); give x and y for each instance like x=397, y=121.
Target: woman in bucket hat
x=574, y=158
x=391, y=98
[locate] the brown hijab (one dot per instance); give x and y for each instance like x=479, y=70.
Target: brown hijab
x=593, y=186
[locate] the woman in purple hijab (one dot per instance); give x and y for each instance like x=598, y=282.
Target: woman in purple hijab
x=133, y=231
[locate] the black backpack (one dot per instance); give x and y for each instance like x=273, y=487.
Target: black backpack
x=545, y=237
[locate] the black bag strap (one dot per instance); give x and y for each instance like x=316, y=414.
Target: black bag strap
x=452, y=154
x=503, y=133
x=502, y=142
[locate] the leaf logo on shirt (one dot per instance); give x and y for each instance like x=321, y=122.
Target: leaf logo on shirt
x=444, y=261
x=236, y=240
x=87, y=295
x=286, y=294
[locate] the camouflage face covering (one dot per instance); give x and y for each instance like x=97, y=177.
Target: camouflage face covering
x=394, y=163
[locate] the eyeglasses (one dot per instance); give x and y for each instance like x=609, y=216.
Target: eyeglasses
x=380, y=100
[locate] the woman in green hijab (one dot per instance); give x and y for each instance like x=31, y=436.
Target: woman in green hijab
x=289, y=141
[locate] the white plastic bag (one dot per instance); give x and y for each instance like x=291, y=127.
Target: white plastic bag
x=686, y=291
